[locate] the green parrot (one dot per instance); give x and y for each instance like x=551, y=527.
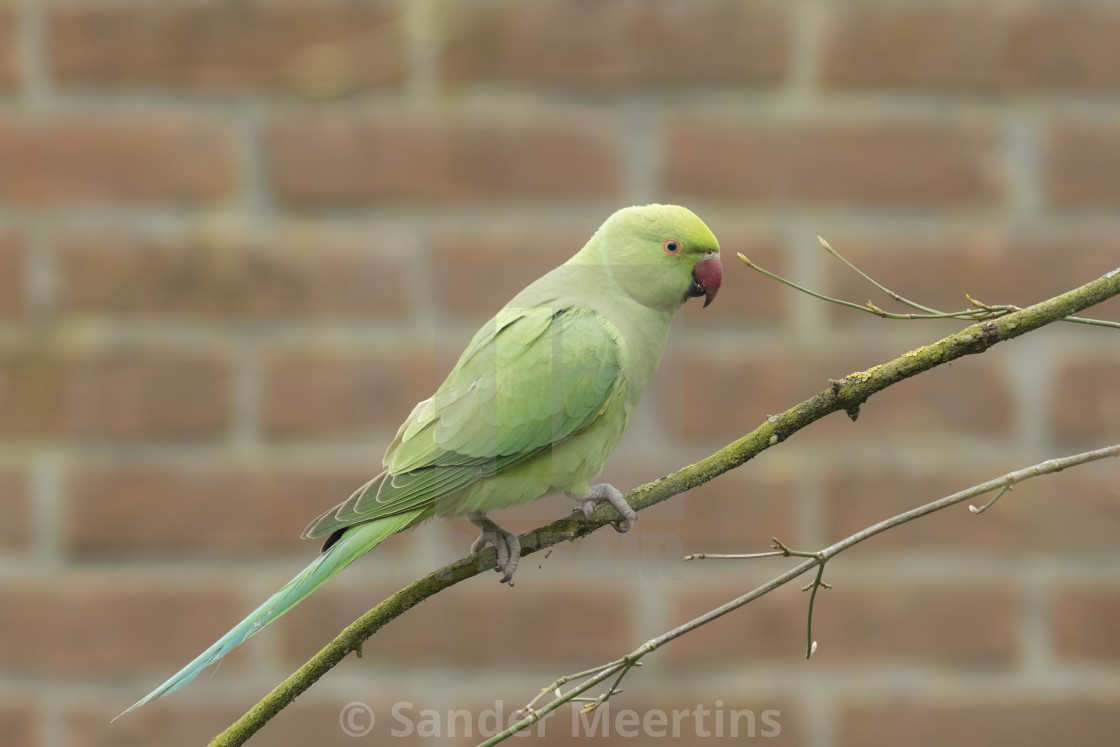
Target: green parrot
x=534, y=406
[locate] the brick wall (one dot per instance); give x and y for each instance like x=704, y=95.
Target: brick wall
x=239, y=240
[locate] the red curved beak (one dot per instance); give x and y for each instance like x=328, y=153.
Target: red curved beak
x=707, y=276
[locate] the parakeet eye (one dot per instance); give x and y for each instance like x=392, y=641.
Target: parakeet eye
x=671, y=246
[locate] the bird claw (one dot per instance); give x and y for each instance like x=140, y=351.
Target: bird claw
x=604, y=492
x=505, y=544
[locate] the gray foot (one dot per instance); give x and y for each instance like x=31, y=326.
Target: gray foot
x=506, y=543
x=610, y=494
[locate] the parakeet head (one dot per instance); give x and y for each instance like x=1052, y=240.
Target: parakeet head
x=661, y=255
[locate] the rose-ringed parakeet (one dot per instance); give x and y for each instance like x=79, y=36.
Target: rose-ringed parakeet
x=534, y=406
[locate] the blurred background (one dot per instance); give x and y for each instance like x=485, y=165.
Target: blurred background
x=239, y=240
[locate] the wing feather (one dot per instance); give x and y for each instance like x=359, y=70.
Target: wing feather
x=530, y=378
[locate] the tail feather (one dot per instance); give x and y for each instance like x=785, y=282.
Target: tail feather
x=355, y=542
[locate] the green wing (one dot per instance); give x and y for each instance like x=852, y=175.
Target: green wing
x=530, y=378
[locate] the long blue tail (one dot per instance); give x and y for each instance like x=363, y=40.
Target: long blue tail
x=354, y=544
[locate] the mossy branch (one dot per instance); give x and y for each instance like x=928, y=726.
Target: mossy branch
x=846, y=394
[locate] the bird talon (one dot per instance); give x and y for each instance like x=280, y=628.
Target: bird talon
x=604, y=493
x=622, y=526
x=506, y=545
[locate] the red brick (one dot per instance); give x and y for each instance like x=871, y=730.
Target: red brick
x=290, y=273
x=163, y=722
x=216, y=47
x=738, y=510
x=1083, y=621
x=833, y=163
x=924, y=622
x=19, y=723
x=1025, y=722
x=200, y=509
x=147, y=393
x=130, y=393
x=617, y=45
x=96, y=159
x=475, y=272
x=1080, y=160
x=9, y=63
x=308, y=720
x=141, y=628
x=1085, y=405
x=15, y=510
x=319, y=723
x=938, y=268
x=339, y=392
x=740, y=390
x=11, y=276
x=1064, y=514
x=972, y=48
x=426, y=634
x=338, y=158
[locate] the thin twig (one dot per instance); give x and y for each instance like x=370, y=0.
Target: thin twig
x=801, y=288
x=810, y=644
x=814, y=559
x=871, y=280
x=736, y=555
x=979, y=312
x=990, y=503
